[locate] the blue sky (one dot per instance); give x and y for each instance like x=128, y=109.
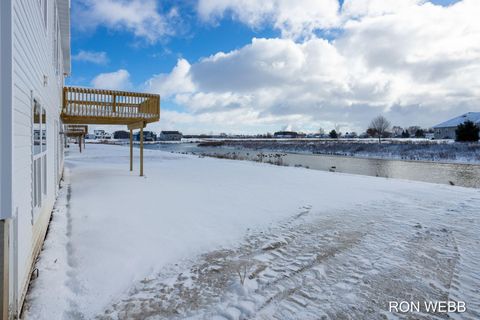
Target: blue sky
x=145, y=38
x=124, y=50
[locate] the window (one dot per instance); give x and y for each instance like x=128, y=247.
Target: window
x=37, y=128
x=39, y=152
x=44, y=130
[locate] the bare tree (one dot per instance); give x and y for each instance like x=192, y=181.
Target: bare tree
x=380, y=125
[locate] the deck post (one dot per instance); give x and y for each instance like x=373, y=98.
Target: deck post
x=131, y=150
x=141, y=151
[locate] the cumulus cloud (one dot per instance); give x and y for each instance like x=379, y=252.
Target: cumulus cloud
x=141, y=17
x=294, y=18
x=91, y=56
x=356, y=8
x=177, y=81
x=418, y=63
x=118, y=80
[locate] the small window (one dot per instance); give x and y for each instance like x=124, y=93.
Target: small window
x=37, y=128
x=39, y=151
x=44, y=130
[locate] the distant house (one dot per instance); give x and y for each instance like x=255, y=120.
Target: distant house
x=147, y=136
x=350, y=135
x=121, y=134
x=397, y=131
x=446, y=130
x=285, y=134
x=99, y=134
x=170, y=136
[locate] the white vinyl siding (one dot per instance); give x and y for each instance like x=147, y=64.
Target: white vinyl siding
x=37, y=74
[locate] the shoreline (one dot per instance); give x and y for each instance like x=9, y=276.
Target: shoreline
x=292, y=147
x=468, y=154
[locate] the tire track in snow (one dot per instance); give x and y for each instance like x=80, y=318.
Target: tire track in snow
x=343, y=265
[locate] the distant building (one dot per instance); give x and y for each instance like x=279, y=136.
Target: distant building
x=446, y=130
x=350, y=135
x=285, y=134
x=147, y=136
x=397, y=131
x=170, y=136
x=99, y=134
x=121, y=134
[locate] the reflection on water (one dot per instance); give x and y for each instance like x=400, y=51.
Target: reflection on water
x=466, y=175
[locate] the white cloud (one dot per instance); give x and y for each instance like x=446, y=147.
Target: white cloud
x=294, y=18
x=118, y=80
x=142, y=17
x=177, y=81
x=418, y=63
x=91, y=56
x=356, y=8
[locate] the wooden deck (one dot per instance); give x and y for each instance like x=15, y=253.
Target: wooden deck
x=84, y=106
x=108, y=107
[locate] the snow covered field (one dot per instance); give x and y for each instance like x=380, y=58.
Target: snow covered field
x=309, y=244
x=399, y=149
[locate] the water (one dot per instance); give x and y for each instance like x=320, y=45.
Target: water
x=466, y=175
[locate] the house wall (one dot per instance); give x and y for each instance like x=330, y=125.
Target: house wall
x=37, y=74
x=445, y=133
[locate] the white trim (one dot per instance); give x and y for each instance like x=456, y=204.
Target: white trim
x=6, y=110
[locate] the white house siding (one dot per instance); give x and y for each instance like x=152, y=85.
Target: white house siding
x=445, y=133
x=35, y=76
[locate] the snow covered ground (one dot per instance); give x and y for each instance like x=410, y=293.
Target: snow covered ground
x=309, y=244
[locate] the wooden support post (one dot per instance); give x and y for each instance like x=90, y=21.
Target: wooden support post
x=114, y=102
x=141, y=151
x=131, y=150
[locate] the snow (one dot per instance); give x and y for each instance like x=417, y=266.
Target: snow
x=469, y=116
x=312, y=242
x=419, y=150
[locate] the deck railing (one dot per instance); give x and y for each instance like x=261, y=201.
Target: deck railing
x=75, y=129
x=96, y=106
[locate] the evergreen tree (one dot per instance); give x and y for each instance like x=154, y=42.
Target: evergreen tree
x=467, y=131
x=420, y=133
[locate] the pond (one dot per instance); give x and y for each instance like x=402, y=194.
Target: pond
x=467, y=175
